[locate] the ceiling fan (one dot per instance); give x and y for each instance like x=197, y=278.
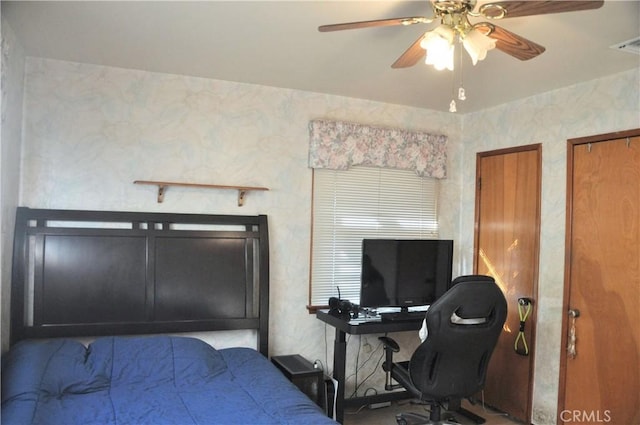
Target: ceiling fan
x=477, y=37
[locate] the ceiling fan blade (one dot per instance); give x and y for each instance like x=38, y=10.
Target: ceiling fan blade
x=514, y=9
x=411, y=56
x=377, y=23
x=510, y=43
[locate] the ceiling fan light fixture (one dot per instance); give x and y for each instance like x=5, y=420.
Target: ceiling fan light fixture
x=439, y=46
x=477, y=38
x=477, y=45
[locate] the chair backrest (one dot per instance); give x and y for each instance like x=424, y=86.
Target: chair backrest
x=471, y=278
x=463, y=328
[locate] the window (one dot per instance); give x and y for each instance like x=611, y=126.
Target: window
x=359, y=203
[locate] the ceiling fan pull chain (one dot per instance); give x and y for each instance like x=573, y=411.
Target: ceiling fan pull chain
x=461, y=93
x=452, y=104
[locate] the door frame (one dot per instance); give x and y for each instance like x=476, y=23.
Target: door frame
x=537, y=147
x=571, y=144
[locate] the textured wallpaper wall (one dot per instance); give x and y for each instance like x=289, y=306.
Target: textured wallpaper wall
x=13, y=60
x=89, y=131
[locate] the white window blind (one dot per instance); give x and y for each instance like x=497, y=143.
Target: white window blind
x=360, y=203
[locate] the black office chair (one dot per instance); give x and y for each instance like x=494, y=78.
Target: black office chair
x=451, y=364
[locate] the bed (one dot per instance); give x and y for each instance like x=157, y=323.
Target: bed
x=100, y=300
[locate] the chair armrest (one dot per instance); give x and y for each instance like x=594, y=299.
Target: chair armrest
x=390, y=347
x=389, y=344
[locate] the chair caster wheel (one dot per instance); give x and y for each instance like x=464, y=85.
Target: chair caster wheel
x=401, y=421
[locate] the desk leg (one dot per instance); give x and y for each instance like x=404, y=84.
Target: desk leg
x=339, y=365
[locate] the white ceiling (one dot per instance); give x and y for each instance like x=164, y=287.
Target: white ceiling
x=276, y=43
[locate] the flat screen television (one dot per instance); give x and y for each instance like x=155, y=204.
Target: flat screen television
x=404, y=273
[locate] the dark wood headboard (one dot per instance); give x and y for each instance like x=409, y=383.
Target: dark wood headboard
x=94, y=273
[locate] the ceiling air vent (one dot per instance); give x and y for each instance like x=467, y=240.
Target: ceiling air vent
x=631, y=46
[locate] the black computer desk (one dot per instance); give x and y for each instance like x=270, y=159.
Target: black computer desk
x=360, y=327
x=364, y=326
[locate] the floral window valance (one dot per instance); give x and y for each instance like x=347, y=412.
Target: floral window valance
x=339, y=145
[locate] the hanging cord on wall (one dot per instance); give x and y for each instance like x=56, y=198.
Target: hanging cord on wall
x=359, y=367
x=524, y=308
x=375, y=369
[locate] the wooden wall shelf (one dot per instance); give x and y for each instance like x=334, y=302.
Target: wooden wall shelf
x=162, y=188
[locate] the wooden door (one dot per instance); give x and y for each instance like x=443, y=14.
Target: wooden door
x=507, y=248
x=600, y=375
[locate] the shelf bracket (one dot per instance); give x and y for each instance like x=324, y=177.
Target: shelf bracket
x=241, y=193
x=161, y=190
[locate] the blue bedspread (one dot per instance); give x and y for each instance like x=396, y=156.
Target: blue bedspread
x=147, y=380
